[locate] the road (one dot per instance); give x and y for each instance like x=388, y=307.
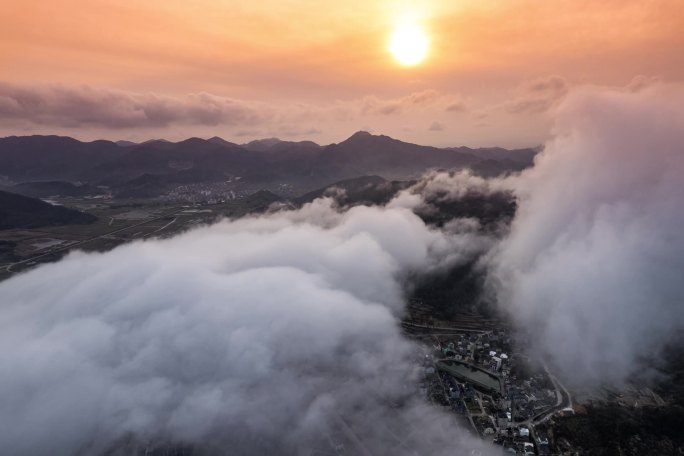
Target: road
x=445, y=328
x=166, y=226
x=564, y=400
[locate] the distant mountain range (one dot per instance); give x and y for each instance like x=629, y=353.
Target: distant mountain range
x=155, y=167
x=46, y=189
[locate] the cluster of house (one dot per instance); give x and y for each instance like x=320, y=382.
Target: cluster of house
x=205, y=192
x=503, y=416
x=473, y=348
x=518, y=440
x=528, y=398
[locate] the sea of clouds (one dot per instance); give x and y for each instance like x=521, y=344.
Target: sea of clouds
x=272, y=334
x=257, y=336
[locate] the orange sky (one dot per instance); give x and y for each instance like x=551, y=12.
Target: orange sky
x=321, y=70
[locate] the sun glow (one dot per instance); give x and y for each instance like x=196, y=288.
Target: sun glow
x=409, y=44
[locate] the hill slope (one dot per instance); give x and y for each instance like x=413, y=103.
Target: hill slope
x=155, y=167
x=18, y=211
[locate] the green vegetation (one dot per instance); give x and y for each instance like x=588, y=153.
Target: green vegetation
x=450, y=292
x=608, y=430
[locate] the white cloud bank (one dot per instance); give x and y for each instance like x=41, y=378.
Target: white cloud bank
x=258, y=336
x=592, y=269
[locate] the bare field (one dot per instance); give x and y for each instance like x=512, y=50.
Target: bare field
x=118, y=222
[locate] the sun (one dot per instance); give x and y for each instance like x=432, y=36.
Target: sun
x=409, y=44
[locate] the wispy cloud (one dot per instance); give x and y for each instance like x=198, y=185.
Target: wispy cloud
x=539, y=95
x=81, y=106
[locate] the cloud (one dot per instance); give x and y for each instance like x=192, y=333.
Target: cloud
x=264, y=335
x=457, y=106
x=641, y=82
x=80, y=106
x=95, y=112
x=248, y=133
x=436, y=126
x=591, y=271
x=372, y=105
x=440, y=186
x=539, y=95
x=294, y=130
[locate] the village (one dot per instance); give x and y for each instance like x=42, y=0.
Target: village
x=474, y=369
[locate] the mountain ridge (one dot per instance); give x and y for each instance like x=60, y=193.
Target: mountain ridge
x=19, y=211
x=302, y=165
